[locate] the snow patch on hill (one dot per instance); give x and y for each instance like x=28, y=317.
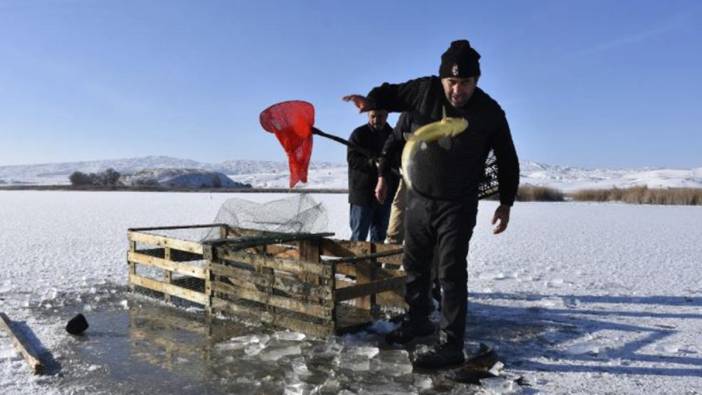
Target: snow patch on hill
x=181, y=178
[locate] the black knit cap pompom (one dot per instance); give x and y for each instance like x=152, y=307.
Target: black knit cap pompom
x=460, y=61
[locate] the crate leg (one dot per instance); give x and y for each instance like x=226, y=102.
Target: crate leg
x=132, y=266
x=208, y=291
x=167, y=274
x=364, y=274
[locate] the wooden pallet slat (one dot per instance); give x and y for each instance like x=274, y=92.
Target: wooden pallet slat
x=290, y=285
x=173, y=290
x=166, y=264
x=374, y=287
x=164, y=241
x=289, y=265
x=312, y=309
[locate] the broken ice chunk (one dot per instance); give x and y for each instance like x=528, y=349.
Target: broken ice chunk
x=499, y=385
x=368, y=352
x=280, y=352
x=300, y=367
x=351, y=361
x=393, y=363
x=289, y=336
x=254, y=349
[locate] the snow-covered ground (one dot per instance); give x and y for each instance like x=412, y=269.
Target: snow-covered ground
x=576, y=297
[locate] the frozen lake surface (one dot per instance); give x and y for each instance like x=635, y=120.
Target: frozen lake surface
x=576, y=298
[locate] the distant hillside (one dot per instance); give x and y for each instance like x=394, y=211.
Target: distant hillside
x=181, y=178
x=573, y=178
x=272, y=174
x=58, y=173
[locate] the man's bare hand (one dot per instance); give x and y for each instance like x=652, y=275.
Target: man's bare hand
x=381, y=190
x=501, y=216
x=359, y=101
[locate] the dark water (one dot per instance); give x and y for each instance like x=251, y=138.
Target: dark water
x=143, y=346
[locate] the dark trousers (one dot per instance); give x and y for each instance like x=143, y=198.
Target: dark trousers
x=443, y=228
x=373, y=218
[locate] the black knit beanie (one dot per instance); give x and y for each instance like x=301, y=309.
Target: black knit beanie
x=460, y=61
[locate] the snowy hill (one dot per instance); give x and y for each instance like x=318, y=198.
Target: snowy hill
x=181, y=178
x=270, y=174
x=573, y=178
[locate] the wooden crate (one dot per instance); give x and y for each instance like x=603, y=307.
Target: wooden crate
x=310, y=283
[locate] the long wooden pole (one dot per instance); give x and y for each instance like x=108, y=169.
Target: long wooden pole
x=22, y=346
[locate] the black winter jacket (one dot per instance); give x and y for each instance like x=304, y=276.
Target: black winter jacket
x=363, y=174
x=452, y=169
x=390, y=156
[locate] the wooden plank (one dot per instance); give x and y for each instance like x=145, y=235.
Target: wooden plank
x=132, y=265
x=288, y=265
x=359, y=258
x=333, y=247
x=249, y=279
x=28, y=352
x=175, y=227
x=347, y=248
x=283, y=251
x=208, y=288
x=309, y=251
x=364, y=289
x=176, y=255
x=173, y=290
x=167, y=274
x=391, y=298
x=299, y=325
x=352, y=270
x=163, y=241
x=347, y=269
x=239, y=232
x=364, y=274
x=261, y=240
x=165, y=264
x=315, y=310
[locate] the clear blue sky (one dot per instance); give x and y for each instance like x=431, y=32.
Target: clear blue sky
x=584, y=83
